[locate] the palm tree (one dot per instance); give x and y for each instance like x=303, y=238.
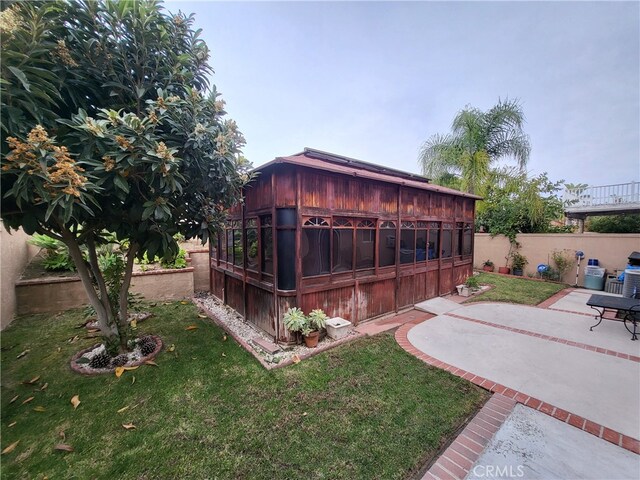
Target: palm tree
x=477, y=140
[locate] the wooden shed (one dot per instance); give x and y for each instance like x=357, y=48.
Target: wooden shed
x=318, y=230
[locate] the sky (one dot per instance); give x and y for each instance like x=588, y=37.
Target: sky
x=374, y=80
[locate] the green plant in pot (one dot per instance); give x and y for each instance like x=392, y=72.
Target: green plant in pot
x=296, y=321
x=518, y=262
x=472, y=283
x=488, y=266
x=317, y=320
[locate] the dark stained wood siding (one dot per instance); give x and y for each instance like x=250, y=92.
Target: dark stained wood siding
x=353, y=295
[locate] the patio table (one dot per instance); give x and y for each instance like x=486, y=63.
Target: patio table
x=629, y=307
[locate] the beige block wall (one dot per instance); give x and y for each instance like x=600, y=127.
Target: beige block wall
x=15, y=254
x=201, y=269
x=611, y=250
x=55, y=295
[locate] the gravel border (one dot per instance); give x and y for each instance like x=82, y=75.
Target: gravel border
x=245, y=334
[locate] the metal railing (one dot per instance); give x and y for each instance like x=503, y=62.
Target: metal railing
x=620, y=195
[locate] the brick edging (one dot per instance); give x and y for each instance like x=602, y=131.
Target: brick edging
x=460, y=456
x=617, y=438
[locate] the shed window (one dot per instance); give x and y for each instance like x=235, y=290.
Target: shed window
x=365, y=244
x=238, y=250
x=407, y=242
x=342, y=245
x=387, y=248
x=251, y=231
x=421, y=241
x=467, y=236
x=229, y=240
x=316, y=247
x=222, y=241
x=266, y=245
x=433, y=247
x=446, y=247
x=458, y=239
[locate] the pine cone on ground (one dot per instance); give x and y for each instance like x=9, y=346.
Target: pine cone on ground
x=147, y=345
x=120, y=360
x=101, y=360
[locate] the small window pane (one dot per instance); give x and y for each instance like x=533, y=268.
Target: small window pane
x=230, y=245
x=252, y=248
x=343, y=250
x=365, y=248
x=407, y=245
x=387, y=250
x=446, y=243
x=237, y=248
x=433, y=249
x=315, y=251
x=466, y=240
x=267, y=249
x=222, y=240
x=421, y=245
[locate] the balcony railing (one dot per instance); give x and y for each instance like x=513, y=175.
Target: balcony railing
x=620, y=196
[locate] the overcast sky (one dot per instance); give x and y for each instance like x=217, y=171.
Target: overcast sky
x=374, y=80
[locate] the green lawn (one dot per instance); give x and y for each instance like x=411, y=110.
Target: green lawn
x=514, y=289
x=209, y=410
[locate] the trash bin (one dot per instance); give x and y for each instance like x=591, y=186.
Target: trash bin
x=594, y=278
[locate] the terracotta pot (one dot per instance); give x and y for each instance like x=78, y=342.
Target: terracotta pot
x=504, y=270
x=311, y=340
x=488, y=268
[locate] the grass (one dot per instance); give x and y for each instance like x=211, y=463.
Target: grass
x=209, y=410
x=514, y=289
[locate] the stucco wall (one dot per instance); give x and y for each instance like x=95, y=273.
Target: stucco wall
x=611, y=250
x=15, y=253
x=54, y=295
x=201, y=269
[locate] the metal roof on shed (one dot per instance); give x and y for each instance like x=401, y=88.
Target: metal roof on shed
x=331, y=162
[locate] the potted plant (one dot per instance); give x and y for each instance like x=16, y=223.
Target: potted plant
x=316, y=320
x=518, y=262
x=488, y=266
x=295, y=320
x=468, y=287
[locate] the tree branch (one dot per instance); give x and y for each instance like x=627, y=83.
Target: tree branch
x=97, y=274
x=126, y=282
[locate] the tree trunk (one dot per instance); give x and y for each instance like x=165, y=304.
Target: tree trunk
x=123, y=297
x=102, y=313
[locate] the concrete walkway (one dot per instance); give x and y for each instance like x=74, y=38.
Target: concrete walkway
x=532, y=445
x=543, y=354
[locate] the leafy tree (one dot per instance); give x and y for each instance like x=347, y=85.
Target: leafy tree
x=514, y=203
x=110, y=125
x=625, y=223
x=464, y=157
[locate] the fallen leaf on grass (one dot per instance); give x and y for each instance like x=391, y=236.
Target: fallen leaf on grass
x=32, y=381
x=131, y=368
x=11, y=424
x=202, y=316
x=151, y=362
x=93, y=330
x=27, y=400
x=44, y=387
x=39, y=408
x=123, y=409
x=184, y=303
x=192, y=327
x=63, y=447
x=24, y=353
x=171, y=348
x=59, y=349
x=73, y=339
x=129, y=426
x=62, y=435
x=75, y=401
x=224, y=354
x=14, y=399
x=296, y=359
x=133, y=324
x=10, y=448
x=133, y=380
x=304, y=414
x=119, y=371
